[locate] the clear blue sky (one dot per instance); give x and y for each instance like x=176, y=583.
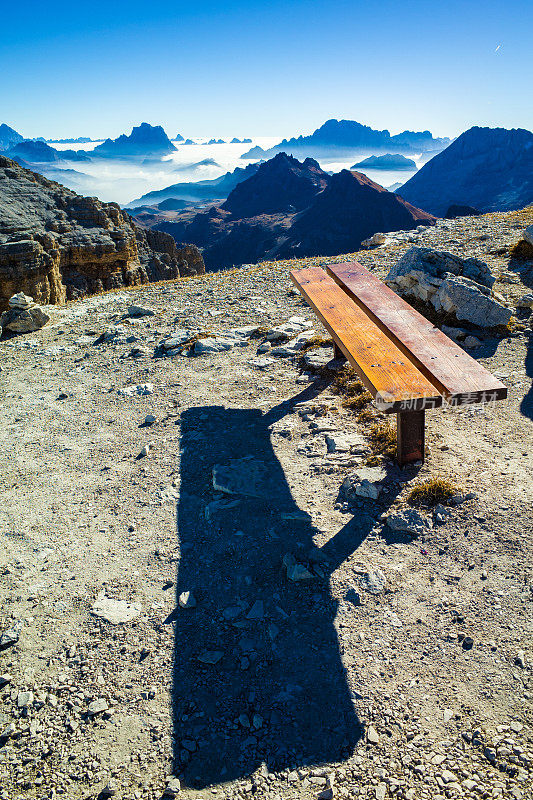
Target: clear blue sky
x=248, y=68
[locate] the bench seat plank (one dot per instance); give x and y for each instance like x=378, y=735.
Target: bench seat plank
x=458, y=376
x=382, y=367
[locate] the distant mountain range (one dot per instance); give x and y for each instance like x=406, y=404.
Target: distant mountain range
x=144, y=140
x=292, y=208
x=490, y=169
x=37, y=152
x=215, y=189
x=347, y=136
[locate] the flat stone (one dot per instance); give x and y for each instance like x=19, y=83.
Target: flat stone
x=212, y=345
x=24, y=699
x=117, y=612
x=98, y=706
x=257, y=611
x=210, y=656
x=407, y=521
x=261, y=363
x=364, y=482
x=346, y=443
x=20, y=301
x=374, y=581
x=173, y=788
x=8, y=638
x=140, y=311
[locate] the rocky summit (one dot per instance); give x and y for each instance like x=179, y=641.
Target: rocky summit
x=214, y=583
x=56, y=245
x=490, y=169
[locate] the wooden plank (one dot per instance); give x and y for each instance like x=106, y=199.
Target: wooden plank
x=458, y=376
x=392, y=379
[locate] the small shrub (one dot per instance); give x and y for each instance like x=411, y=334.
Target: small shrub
x=432, y=491
x=358, y=402
x=260, y=332
x=366, y=415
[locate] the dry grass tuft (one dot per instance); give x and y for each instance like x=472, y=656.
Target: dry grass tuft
x=432, y=491
x=382, y=438
x=315, y=342
x=260, y=332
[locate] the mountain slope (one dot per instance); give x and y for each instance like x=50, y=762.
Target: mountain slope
x=8, y=137
x=349, y=210
x=490, y=169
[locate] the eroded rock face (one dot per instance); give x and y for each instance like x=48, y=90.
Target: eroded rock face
x=56, y=245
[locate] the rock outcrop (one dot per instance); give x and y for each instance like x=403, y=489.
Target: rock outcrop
x=56, y=245
x=490, y=169
x=453, y=285
x=144, y=140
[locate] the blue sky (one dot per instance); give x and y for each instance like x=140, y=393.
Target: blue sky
x=266, y=68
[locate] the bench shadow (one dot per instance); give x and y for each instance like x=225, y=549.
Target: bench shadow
x=278, y=692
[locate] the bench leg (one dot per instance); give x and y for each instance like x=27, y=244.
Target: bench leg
x=411, y=436
x=337, y=352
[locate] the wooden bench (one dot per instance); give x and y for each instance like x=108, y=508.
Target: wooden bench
x=403, y=360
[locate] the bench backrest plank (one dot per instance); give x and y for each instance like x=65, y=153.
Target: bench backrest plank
x=459, y=377
x=380, y=364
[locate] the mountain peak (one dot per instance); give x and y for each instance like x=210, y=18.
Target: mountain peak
x=144, y=140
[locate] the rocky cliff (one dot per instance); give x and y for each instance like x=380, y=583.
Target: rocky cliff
x=56, y=245
x=490, y=169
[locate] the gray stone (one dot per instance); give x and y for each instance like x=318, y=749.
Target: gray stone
x=257, y=611
x=25, y=321
x=296, y=572
x=210, y=656
x=364, y=482
x=528, y=235
x=319, y=358
x=264, y=348
x=436, y=263
x=472, y=342
x=173, y=788
x=374, y=241
x=149, y=419
x=187, y=600
x=98, y=706
x=212, y=344
x=470, y=302
x=178, y=338
x=346, y=443
x=261, y=363
x=117, y=612
x=526, y=301
x=140, y=311
x=372, y=735
x=8, y=638
x=24, y=699
x=408, y=521
x=374, y=581
x=20, y=301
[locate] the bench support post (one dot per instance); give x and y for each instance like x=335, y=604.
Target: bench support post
x=337, y=353
x=411, y=436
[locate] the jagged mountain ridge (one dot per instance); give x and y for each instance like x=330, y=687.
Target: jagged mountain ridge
x=350, y=136
x=490, y=169
x=214, y=189
x=56, y=245
x=335, y=214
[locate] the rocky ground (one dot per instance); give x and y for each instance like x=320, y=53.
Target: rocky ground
x=189, y=599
